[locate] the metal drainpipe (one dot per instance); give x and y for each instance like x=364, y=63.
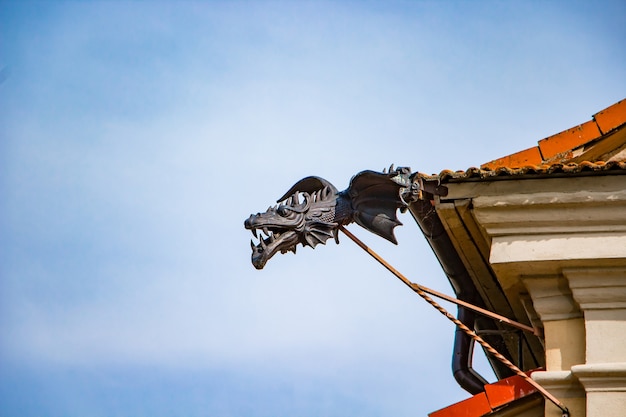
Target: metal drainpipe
x=432, y=228
x=470, y=380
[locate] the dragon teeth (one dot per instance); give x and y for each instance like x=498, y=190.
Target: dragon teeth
x=263, y=242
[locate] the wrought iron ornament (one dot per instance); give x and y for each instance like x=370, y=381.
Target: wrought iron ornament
x=311, y=211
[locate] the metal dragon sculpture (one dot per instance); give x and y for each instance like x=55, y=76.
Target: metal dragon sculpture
x=312, y=210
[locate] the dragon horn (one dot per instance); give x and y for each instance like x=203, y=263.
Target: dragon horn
x=305, y=205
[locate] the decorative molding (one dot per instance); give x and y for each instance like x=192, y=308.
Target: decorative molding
x=598, y=288
x=552, y=298
x=558, y=247
x=562, y=384
x=601, y=377
x=553, y=212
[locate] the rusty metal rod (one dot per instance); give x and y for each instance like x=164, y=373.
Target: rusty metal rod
x=423, y=291
x=415, y=287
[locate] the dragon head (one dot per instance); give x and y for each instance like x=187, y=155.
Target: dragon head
x=282, y=227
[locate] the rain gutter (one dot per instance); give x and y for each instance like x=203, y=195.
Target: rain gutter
x=428, y=221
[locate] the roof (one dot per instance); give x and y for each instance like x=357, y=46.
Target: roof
x=597, y=146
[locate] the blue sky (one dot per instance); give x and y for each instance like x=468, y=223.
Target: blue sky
x=136, y=137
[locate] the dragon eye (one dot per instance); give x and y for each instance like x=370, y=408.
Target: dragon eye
x=283, y=210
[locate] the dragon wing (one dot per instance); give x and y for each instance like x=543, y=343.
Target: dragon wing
x=375, y=199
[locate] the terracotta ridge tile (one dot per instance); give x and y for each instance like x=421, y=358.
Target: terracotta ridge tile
x=569, y=139
x=562, y=146
x=530, y=156
x=612, y=117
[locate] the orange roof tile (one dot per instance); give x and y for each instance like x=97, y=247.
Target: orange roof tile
x=530, y=156
x=507, y=390
x=612, y=117
x=569, y=139
x=496, y=395
x=565, y=146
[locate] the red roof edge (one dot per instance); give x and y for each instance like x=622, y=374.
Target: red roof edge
x=475, y=406
x=527, y=157
x=496, y=395
x=569, y=139
x=559, y=148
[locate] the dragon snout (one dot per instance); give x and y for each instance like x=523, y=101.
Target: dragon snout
x=252, y=221
x=248, y=222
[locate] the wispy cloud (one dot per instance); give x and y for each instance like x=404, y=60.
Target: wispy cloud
x=137, y=139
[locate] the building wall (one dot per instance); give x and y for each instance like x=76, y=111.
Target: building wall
x=562, y=243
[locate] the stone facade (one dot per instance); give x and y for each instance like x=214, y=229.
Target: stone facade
x=560, y=242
